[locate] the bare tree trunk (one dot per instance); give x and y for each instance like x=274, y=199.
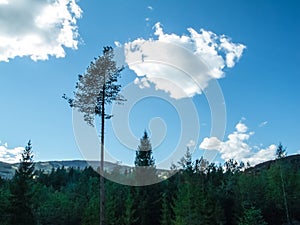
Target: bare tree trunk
x=285, y=198
x=102, y=190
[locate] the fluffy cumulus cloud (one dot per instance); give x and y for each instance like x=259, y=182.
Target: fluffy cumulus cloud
x=237, y=147
x=10, y=155
x=241, y=127
x=181, y=65
x=38, y=29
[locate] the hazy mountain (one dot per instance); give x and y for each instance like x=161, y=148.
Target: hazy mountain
x=7, y=170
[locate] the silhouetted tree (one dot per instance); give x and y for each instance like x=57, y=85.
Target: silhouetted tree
x=20, y=198
x=147, y=197
x=96, y=88
x=144, y=153
x=145, y=171
x=186, y=162
x=280, y=151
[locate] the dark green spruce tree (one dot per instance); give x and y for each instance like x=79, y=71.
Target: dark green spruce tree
x=20, y=210
x=280, y=152
x=143, y=155
x=146, y=195
x=145, y=170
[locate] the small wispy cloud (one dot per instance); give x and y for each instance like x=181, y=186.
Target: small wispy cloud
x=10, y=155
x=262, y=124
x=150, y=7
x=38, y=29
x=237, y=147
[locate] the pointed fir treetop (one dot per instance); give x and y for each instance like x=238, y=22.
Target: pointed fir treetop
x=144, y=153
x=280, y=152
x=26, y=166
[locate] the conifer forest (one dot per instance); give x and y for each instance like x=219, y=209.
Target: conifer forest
x=198, y=193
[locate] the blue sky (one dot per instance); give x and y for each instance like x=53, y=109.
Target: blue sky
x=260, y=91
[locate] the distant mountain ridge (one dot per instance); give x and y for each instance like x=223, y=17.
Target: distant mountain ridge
x=7, y=170
x=292, y=160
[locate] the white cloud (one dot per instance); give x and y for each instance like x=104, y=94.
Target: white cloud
x=142, y=82
x=262, y=124
x=150, y=7
x=181, y=65
x=4, y=2
x=212, y=143
x=240, y=127
x=263, y=154
x=38, y=29
x=233, y=51
x=10, y=155
x=236, y=147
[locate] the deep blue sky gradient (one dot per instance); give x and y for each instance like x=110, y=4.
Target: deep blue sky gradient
x=263, y=86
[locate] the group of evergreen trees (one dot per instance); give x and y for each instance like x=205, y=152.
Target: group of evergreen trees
x=200, y=193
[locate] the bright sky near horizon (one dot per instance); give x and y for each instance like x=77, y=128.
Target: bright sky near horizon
x=250, y=48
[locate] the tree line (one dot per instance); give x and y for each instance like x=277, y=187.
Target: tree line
x=199, y=193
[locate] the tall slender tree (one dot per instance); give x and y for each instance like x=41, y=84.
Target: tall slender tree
x=20, y=198
x=96, y=88
x=281, y=153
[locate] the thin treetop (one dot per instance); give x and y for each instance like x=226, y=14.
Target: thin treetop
x=26, y=166
x=100, y=77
